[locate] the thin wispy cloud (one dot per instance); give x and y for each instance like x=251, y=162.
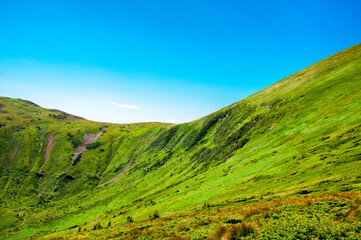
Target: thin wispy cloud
x=170, y=120
x=128, y=106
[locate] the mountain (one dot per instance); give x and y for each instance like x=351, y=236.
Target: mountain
x=283, y=162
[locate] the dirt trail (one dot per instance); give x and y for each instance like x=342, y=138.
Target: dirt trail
x=124, y=171
x=18, y=226
x=49, y=146
x=135, y=179
x=96, y=220
x=41, y=191
x=88, y=138
x=165, y=166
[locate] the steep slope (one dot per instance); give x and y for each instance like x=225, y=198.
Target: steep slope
x=299, y=135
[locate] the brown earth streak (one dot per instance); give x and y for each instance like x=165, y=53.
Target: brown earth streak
x=41, y=191
x=49, y=146
x=88, y=138
x=124, y=171
x=135, y=179
x=165, y=166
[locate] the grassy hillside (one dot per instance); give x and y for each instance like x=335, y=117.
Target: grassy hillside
x=283, y=162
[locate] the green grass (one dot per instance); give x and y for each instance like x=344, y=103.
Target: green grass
x=328, y=216
x=298, y=136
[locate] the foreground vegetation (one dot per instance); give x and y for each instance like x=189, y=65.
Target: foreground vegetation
x=282, y=163
x=336, y=216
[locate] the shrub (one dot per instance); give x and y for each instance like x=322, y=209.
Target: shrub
x=206, y=205
x=63, y=117
x=182, y=228
x=154, y=215
x=252, y=211
x=130, y=219
x=135, y=232
x=77, y=160
x=97, y=226
x=200, y=223
x=93, y=145
x=74, y=141
x=240, y=230
x=233, y=221
x=164, y=234
x=218, y=233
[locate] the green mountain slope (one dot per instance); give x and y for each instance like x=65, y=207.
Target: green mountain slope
x=300, y=135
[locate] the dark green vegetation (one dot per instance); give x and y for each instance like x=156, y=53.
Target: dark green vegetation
x=282, y=163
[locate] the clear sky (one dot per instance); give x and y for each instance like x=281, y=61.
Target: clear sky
x=162, y=60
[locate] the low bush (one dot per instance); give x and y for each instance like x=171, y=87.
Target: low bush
x=155, y=215
x=77, y=159
x=218, y=233
x=93, y=145
x=97, y=226
x=240, y=230
x=130, y=219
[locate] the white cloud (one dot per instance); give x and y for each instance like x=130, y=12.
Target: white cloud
x=170, y=120
x=123, y=105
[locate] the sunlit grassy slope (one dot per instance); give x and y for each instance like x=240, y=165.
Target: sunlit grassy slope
x=299, y=136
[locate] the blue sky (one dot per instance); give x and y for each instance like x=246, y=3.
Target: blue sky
x=170, y=61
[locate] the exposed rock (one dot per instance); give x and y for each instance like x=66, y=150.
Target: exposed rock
x=88, y=139
x=51, y=142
